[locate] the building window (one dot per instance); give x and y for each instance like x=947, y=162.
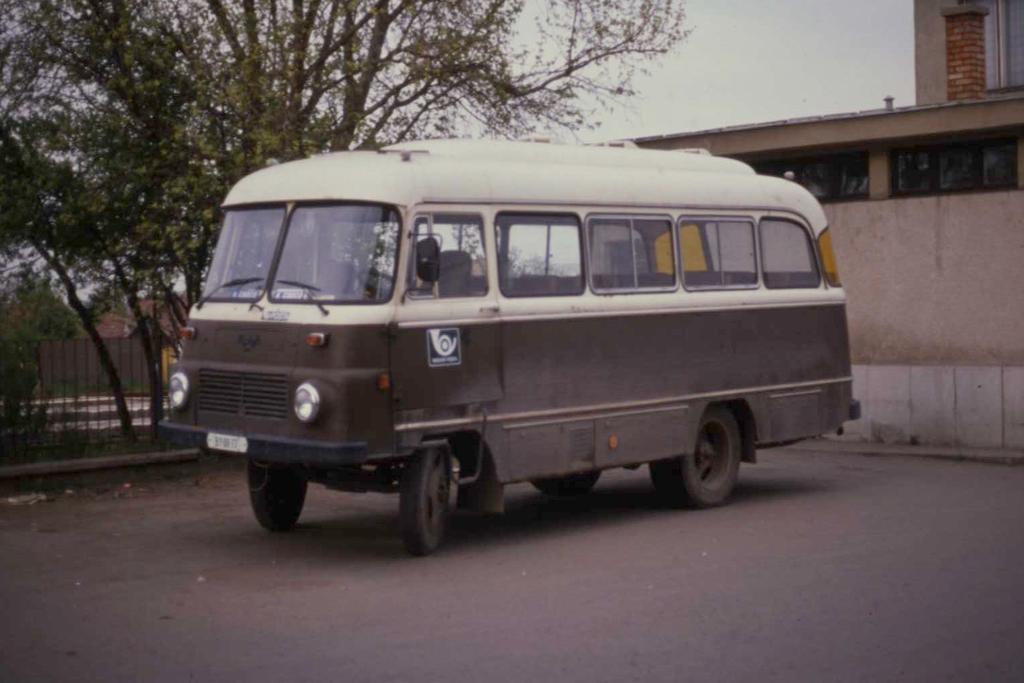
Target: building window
x=1004, y=43
x=961, y=166
x=832, y=177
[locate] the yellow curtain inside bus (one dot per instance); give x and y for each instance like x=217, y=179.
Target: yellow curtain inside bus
x=663, y=255
x=692, y=246
x=828, y=258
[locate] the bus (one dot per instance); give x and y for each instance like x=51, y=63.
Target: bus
x=440, y=319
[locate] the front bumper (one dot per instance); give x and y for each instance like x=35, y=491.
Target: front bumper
x=276, y=449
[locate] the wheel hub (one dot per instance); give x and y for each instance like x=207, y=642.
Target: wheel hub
x=710, y=456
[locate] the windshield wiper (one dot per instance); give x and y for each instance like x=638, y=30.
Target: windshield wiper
x=308, y=290
x=237, y=282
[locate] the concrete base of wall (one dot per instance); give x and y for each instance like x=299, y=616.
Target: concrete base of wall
x=939, y=405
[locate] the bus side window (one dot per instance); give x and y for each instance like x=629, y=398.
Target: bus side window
x=630, y=253
x=539, y=255
x=787, y=256
x=463, y=260
x=718, y=254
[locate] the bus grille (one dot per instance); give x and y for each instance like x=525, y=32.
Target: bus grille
x=243, y=393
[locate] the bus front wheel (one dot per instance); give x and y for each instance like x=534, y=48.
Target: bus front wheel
x=277, y=495
x=424, y=495
x=707, y=477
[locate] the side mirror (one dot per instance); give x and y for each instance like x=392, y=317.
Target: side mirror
x=428, y=258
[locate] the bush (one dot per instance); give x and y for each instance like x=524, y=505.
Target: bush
x=21, y=418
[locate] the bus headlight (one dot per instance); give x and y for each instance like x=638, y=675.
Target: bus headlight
x=177, y=390
x=307, y=402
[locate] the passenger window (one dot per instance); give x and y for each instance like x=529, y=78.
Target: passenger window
x=717, y=254
x=628, y=253
x=463, y=260
x=539, y=255
x=787, y=256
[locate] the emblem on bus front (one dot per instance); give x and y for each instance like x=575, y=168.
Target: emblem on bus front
x=248, y=342
x=443, y=347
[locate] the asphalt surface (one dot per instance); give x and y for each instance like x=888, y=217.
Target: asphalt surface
x=832, y=567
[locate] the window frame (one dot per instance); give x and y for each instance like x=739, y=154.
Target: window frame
x=934, y=152
x=815, y=256
x=417, y=294
x=278, y=244
x=292, y=206
x=584, y=275
x=1001, y=49
x=667, y=218
x=755, y=233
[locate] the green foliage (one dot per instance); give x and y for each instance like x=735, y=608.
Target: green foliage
x=20, y=414
x=31, y=310
x=128, y=121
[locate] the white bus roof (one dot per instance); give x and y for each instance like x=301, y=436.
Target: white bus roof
x=526, y=173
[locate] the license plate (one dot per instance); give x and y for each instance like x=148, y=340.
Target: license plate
x=227, y=442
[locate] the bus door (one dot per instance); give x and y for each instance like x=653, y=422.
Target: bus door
x=445, y=343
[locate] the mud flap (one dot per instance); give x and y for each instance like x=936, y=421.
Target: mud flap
x=486, y=494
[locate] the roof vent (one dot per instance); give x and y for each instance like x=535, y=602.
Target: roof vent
x=888, y=99
x=703, y=151
x=403, y=154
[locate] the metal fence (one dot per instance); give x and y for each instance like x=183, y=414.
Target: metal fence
x=55, y=398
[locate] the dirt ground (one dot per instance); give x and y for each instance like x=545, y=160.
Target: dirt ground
x=824, y=567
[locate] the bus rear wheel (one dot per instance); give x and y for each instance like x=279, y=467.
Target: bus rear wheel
x=277, y=495
x=423, y=503
x=707, y=477
x=568, y=486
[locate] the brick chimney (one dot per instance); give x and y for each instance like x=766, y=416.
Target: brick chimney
x=965, y=51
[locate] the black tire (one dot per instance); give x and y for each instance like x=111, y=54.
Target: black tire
x=706, y=477
x=423, y=503
x=568, y=486
x=277, y=495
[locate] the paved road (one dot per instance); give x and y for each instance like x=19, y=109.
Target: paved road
x=826, y=567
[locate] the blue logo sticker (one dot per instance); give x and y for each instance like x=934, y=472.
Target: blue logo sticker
x=443, y=347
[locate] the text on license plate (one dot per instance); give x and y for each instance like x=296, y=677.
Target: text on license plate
x=227, y=442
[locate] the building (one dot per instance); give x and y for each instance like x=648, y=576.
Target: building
x=927, y=206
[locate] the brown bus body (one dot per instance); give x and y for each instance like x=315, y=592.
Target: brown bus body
x=547, y=395
x=452, y=398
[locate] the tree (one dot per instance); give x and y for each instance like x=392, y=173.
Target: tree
x=128, y=120
x=43, y=208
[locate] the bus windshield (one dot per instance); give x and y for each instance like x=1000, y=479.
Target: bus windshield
x=245, y=249
x=343, y=253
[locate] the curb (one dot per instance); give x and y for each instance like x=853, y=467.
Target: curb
x=43, y=469
x=988, y=456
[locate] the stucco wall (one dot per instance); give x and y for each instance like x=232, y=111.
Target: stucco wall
x=934, y=280
x=930, y=50
x=941, y=405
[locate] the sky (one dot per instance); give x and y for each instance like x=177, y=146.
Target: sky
x=752, y=61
